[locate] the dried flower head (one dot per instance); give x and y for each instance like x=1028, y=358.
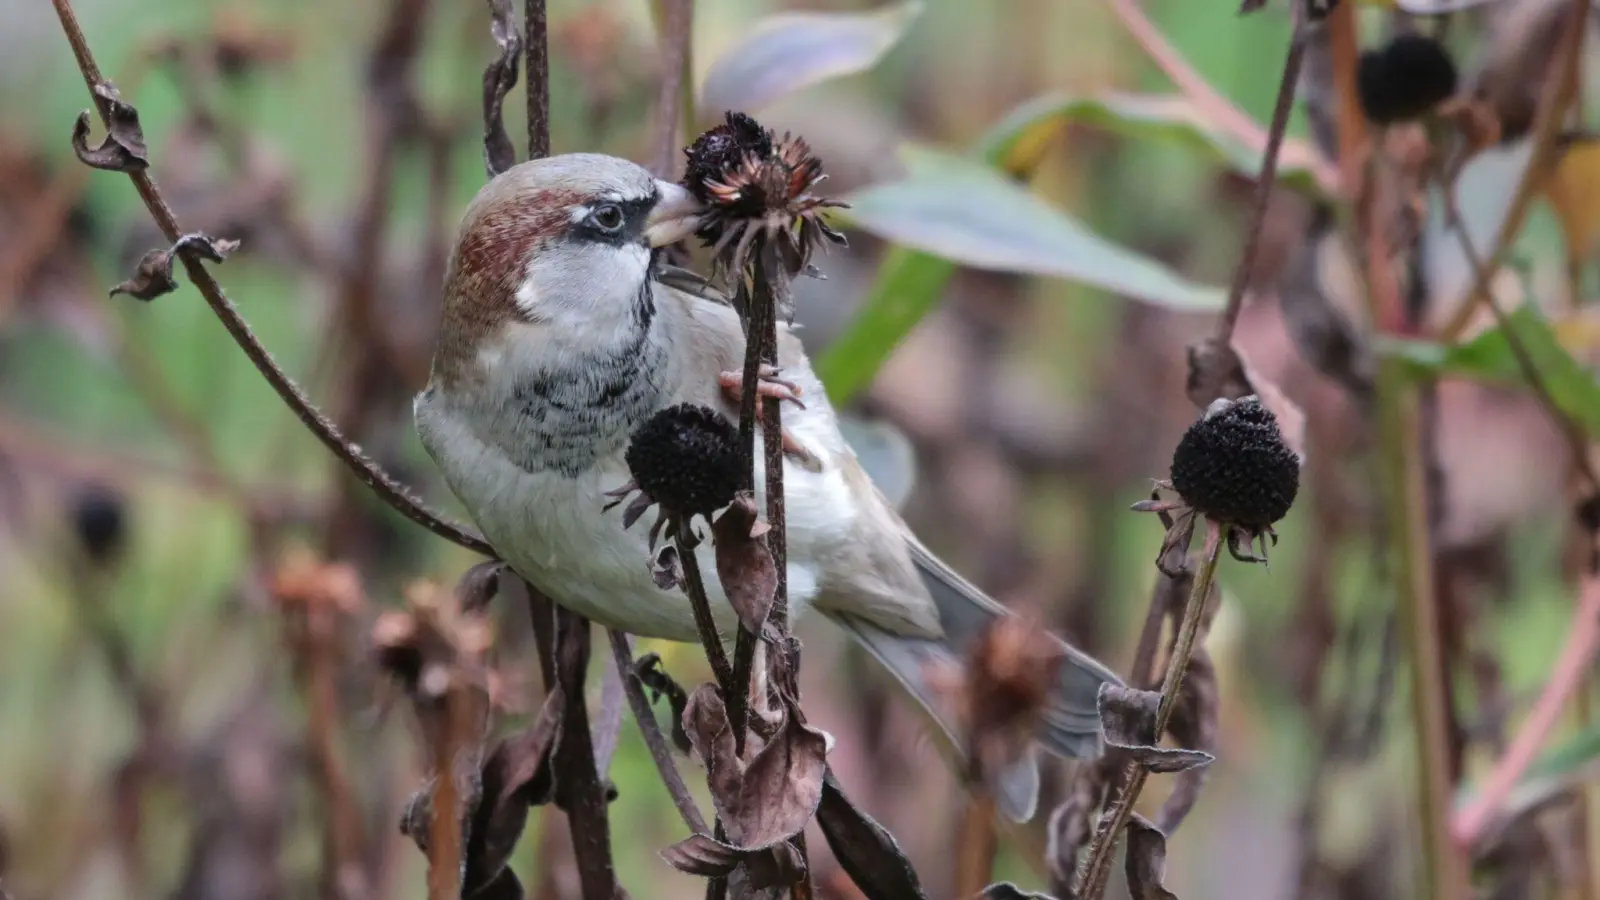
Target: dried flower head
x=758, y=190
x=1233, y=467
x=1405, y=78
x=100, y=521
x=687, y=458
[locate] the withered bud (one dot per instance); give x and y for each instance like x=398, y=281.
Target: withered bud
x=100, y=521
x=1405, y=78
x=758, y=188
x=1234, y=467
x=687, y=459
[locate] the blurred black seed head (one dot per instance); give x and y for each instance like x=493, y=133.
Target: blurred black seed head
x=687, y=458
x=100, y=522
x=716, y=152
x=1404, y=78
x=1234, y=467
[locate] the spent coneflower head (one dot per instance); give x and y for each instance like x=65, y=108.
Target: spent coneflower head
x=759, y=192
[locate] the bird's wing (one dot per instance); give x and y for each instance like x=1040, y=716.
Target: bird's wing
x=864, y=566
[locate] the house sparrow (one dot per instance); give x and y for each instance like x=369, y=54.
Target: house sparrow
x=557, y=341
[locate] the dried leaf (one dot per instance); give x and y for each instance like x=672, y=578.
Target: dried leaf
x=1070, y=827
x=703, y=855
x=1318, y=294
x=777, y=866
x=865, y=850
x=1146, y=861
x=654, y=677
x=479, y=585
x=705, y=720
x=744, y=564
x=499, y=154
x=1194, y=725
x=517, y=774
x=790, y=51
x=665, y=569
x=153, y=277
x=1223, y=371
x=1573, y=189
x=1128, y=716
x=780, y=788
x=123, y=149
x=504, y=886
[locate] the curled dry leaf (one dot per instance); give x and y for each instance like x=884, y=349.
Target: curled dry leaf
x=865, y=850
x=1194, y=725
x=516, y=775
x=703, y=855
x=1146, y=860
x=781, y=787
x=744, y=564
x=123, y=149
x=1070, y=827
x=1128, y=716
x=1319, y=295
x=705, y=720
x=153, y=277
x=653, y=676
x=479, y=585
x=1223, y=371
x=499, y=154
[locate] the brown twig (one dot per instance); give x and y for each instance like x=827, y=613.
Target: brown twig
x=1556, y=95
x=1245, y=269
x=536, y=47
x=1097, y=868
x=388, y=489
x=675, y=21
x=578, y=789
x=653, y=738
x=694, y=585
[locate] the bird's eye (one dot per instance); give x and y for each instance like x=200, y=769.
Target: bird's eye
x=608, y=217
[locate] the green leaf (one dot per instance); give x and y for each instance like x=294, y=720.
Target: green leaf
x=910, y=283
x=1162, y=117
x=964, y=211
x=1489, y=357
x=790, y=51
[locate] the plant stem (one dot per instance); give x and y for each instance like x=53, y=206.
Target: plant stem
x=385, y=486
x=653, y=738
x=536, y=50
x=1444, y=873
x=1096, y=871
x=694, y=584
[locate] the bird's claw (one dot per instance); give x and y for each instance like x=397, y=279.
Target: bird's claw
x=768, y=385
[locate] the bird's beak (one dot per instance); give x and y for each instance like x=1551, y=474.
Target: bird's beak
x=675, y=216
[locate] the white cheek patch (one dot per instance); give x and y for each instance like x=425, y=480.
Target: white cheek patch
x=579, y=213
x=527, y=295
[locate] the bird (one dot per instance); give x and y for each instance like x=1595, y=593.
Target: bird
x=558, y=338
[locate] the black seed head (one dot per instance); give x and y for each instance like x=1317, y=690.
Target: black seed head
x=100, y=522
x=1234, y=467
x=1405, y=78
x=687, y=458
x=714, y=154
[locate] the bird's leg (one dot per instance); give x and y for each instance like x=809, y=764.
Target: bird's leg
x=770, y=386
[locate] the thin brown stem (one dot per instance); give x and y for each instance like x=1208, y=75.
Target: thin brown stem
x=1245, y=269
x=1097, y=869
x=675, y=20
x=694, y=584
x=386, y=487
x=536, y=51
x=653, y=738
x=1559, y=90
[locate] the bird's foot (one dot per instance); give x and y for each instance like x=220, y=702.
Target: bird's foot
x=770, y=386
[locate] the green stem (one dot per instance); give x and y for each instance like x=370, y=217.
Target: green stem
x=1405, y=508
x=1097, y=870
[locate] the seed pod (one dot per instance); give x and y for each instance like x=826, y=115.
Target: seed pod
x=1233, y=466
x=1405, y=78
x=687, y=459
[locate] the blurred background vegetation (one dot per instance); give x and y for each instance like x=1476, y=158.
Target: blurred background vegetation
x=156, y=681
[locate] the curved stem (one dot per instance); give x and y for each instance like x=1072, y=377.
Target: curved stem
x=385, y=486
x=1096, y=871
